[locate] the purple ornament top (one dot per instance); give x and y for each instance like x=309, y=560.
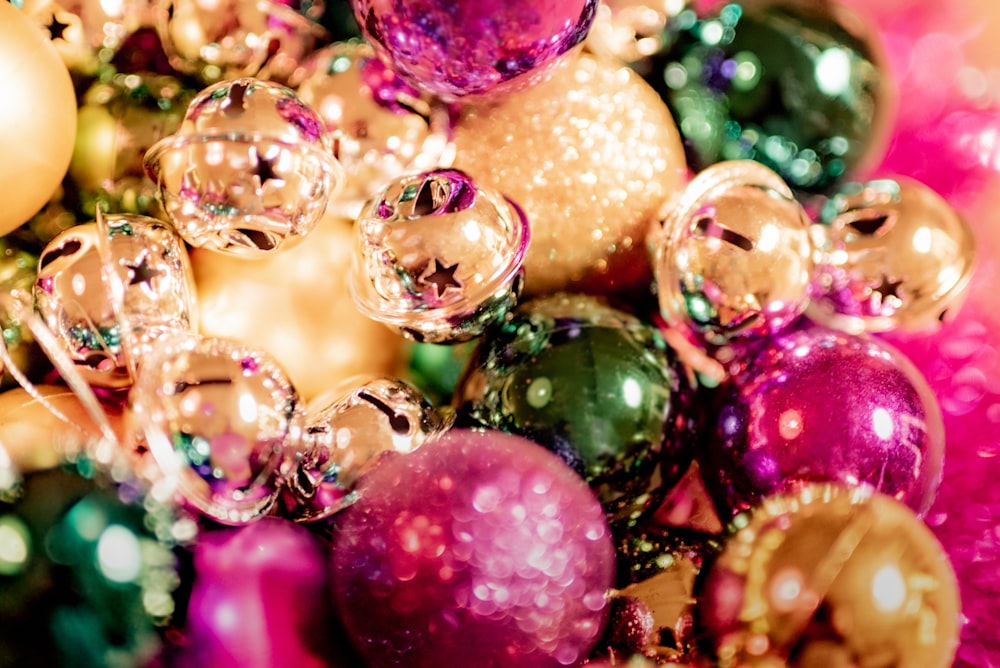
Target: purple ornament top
x=819, y=405
x=468, y=47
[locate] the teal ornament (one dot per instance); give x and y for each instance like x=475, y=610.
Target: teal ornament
x=800, y=86
x=88, y=572
x=594, y=384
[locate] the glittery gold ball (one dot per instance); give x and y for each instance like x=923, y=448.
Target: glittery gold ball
x=296, y=306
x=591, y=155
x=831, y=576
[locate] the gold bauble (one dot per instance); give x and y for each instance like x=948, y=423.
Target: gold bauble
x=591, y=155
x=829, y=576
x=36, y=439
x=37, y=118
x=296, y=306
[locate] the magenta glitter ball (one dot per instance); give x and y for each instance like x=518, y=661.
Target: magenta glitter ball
x=260, y=600
x=478, y=549
x=818, y=405
x=470, y=47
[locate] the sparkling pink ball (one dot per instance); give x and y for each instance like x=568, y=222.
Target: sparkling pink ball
x=478, y=549
x=470, y=47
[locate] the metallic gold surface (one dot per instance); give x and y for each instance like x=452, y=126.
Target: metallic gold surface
x=591, y=155
x=830, y=576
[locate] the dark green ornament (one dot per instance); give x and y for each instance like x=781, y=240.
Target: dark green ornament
x=798, y=85
x=87, y=572
x=594, y=384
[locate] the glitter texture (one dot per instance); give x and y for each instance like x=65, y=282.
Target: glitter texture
x=477, y=549
x=590, y=155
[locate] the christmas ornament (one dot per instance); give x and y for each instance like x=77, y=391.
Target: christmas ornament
x=893, y=254
x=801, y=87
x=631, y=30
x=831, y=576
x=18, y=268
x=119, y=120
x=479, y=548
x=382, y=128
x=108, y=290
x=434, y=368
x=593, y=384
x=438, y=258
x=465, y=48
x=817, y=404
x=39, y=118
x=87, y=572
x=36, y=439
x=293, y=306
x=216, y=415
x=657, y=568
x=591, y=156
x=349, y=431
x=733, y=259
x=248, y=171
x=231, y=39
x=260, y=600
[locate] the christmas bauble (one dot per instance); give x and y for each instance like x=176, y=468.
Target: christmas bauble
x=591, y=156
x=831, y=576
x=479, y=548
x=594, y=384
x=438, y=257
x=799, y=86
x=39, y=118
x=816, y=404
x=892, y=254
x=260, y=600
x=464, y=47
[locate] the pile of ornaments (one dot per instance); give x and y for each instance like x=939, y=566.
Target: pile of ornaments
x=612, y=289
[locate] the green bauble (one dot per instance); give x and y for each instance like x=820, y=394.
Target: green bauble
x=798, y=85
x=595, y=385
x=18, y=267
x=86, y=573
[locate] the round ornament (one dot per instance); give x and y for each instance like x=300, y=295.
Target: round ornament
x=18, y=269
x=479, y=548
x=817, y=404
x=292, y=305
x=464, y=47
x=108, y=290
x=438, y=258
x=892, y=254
x=216, y=416
x=260, y=599
x=88, y=575
x=39, y=118
x=232, y=38
x=831, y=576
x=382, y=128
x=349, y=432
x=595, y=385
x=119, y=120
x=799, y=86
x=591, y=156
x=632, y=30
x=733, y=259
x=249, y=170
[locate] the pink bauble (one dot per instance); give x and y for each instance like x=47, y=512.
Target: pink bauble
x=469, y=47
x=478, y=549
x=260, y=600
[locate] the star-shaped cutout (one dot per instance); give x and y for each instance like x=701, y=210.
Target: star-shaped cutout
x=264, y=169
x=142, y=273
x=441, y=277
x=888, y=288
x=57, y=28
